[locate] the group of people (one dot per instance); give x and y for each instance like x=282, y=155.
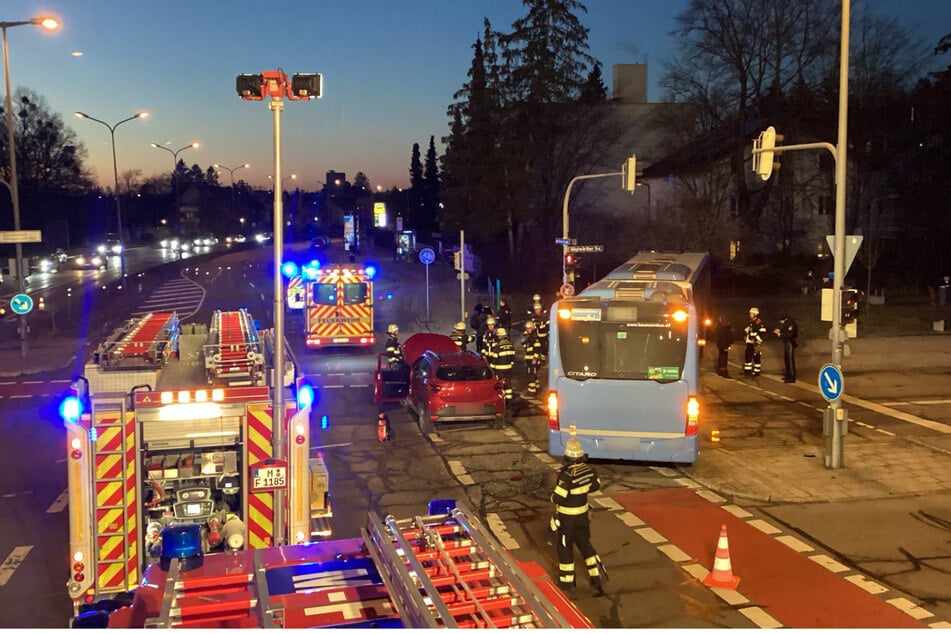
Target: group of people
x=754, y=334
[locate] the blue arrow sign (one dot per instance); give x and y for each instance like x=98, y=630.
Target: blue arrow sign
x=831, y=382
x=427, y=256
x=21, y=304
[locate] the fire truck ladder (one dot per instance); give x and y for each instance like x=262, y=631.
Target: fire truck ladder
x=147, y=341
x=234, y=350
x=449, y=571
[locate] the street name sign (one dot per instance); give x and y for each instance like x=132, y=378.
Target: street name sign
x=586, y=248
x=831, y=382
x=25, y=235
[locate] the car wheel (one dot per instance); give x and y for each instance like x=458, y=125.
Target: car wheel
x=425, y=425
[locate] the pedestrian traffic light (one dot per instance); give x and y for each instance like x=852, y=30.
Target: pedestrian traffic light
x=764, y=160
x=850, y=305
x=571, y=263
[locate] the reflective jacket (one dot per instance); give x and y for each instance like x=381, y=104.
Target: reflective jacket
x=575, y=482
x=755, y=331
x=461, y=339
x=533, y=346
x=501, y=355
x=394, y=353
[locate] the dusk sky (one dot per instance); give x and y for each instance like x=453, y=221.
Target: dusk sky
x=390, y=68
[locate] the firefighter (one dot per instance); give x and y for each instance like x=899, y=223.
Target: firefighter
x=540, y=317
x=459, y=336
x=394, y=352
x=501, y=355
x=505, y=314
x=753, y=357
x=571, y=522
x=788, y=332
x=487, y=338
x=533, y=348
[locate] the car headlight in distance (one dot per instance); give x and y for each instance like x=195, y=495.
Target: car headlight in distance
x=117, y=249
x=101, y=248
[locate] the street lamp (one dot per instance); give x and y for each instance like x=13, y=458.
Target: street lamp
x=286, y=178
x=175, y=153
x=115, y=173
x=50, y=24
x=231, y=171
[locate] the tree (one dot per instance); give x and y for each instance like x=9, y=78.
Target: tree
x=430, y=199
x=414, y=198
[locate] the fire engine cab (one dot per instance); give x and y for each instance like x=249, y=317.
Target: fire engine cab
x=174, y=424
x=444, y=569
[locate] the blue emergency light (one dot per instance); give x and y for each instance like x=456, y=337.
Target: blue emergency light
x=71, y=409
x=310, y=270
x=182, y=542
x=370, y=270
x=324, y=422
x=289, y=269
x=305, y=396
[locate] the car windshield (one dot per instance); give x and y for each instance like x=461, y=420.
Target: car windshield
x=463, y=373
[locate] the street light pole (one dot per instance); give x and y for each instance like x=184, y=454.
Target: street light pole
x=231, y=171
x=115, y=173
x=175, y=153
x=49, y=24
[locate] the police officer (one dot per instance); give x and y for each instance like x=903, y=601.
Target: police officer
x=533, y=350
x=755, y=332
x=393, y=350
x=571, y=522
x=788, y=332
x=505, y=314
x=501, y=356
x=540, y=317
x=460, y=337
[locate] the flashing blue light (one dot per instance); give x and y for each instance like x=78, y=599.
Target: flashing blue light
x=389, y=295
x=324, y=422
x=71, y=409
x=441, y=506
x=305, y=396
x=310, y=270
x=289, y=269
x=370, y=270
x=182, y=542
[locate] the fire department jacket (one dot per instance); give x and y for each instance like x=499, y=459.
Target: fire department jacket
x=501, y=354
x=755, y=331
x=575, y=482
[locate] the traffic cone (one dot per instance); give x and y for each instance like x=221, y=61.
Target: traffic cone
x=722, y=574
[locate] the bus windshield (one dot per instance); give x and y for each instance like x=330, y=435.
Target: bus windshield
x=606, y=350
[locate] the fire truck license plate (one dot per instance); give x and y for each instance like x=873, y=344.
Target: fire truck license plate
x=269, y=478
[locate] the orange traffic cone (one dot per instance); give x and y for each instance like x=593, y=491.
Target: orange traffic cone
x=722, y=574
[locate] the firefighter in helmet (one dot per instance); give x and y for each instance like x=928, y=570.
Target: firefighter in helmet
x=755, y=333
x=533, y=350
x=501, y=357
x=460, y=337
x=571, y=522
x=540, y=319
x=488, y=338
x=393, y=350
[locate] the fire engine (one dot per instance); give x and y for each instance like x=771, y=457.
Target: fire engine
x=444, y=569
x=337, y=301
x=173, y=424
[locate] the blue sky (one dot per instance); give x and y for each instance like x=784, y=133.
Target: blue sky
x=390, y=68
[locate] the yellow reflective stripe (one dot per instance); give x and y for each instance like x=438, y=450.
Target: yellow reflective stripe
x=566, y=567
x=591, y=561
x=561, y=492
x=572, y=510
x=582, y=489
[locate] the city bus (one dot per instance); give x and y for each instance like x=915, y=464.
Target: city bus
x=624, y=360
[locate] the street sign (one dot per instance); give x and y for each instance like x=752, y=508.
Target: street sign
x=21, y=304
x=852, y=244
x=831, y=382
x=586, y=248
x=27, y=235
x=564, y=241
x=462, y=276
x=567, y=290
x=427, y=256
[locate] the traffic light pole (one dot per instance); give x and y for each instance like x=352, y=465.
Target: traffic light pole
x=564, y=218
x=835, y=418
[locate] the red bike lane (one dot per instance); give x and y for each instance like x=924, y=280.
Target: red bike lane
x=788, y=585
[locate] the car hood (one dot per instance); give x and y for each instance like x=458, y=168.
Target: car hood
x=416, y=345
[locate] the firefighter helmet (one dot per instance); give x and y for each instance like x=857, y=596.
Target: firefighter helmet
x=529, y=325
x=536, y=298
x=573, y=449
x=460, y=325
x=490, y=321
x=392, y=329
x=501, y=332
x=754, y=311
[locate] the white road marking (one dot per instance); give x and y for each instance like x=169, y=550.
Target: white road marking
x=665, y=471
x=883, y=431
x=651, y=536
x=14, y=559
x=760, y=618
x=913, y=610
x=59, y=503
x=630, y=519
x=687, y=483
x=674, y=553
x=710, y=496
x=795, y=544
x=736, y=511
x=869, y=586
x=605, y=502
x=498, y=528
x=764, y=526
x=697, y=571
x=730, y=596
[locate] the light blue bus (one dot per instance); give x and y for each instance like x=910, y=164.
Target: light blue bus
x=624, y=361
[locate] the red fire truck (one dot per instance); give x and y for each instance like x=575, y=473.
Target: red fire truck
x=174, y=424
x=440, y=570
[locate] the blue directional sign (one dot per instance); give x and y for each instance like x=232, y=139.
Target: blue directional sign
x=831, y=382
x=427, y=256
x=21, y=304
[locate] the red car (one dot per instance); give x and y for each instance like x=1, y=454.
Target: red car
x=440, y=383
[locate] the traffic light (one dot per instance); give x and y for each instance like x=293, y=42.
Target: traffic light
x=571, y=263
x=764, y=161
x=850, y=305
x=629, y=174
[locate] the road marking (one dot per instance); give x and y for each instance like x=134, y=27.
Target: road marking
x=869, y=586
x=764, y=526
x=9, y=566
x=31, y=382
x=674, y=553
x=934, y=401
x=736, y=511
x=59, y=503
x=730, y=596
x=497, y=526
x=651, y=536
x=697, y=571
x=710, y=496
x=630, y=519
x=795, y=544
x=21, y=396
x=606, y=502
x=829, y=563
x=882, y=431
x=760, y=618
x=459, y=471
x=911, y=609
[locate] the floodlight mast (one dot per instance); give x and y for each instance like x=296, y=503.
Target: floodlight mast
x=302, y=87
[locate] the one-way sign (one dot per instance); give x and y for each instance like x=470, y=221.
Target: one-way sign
x=586, y=248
